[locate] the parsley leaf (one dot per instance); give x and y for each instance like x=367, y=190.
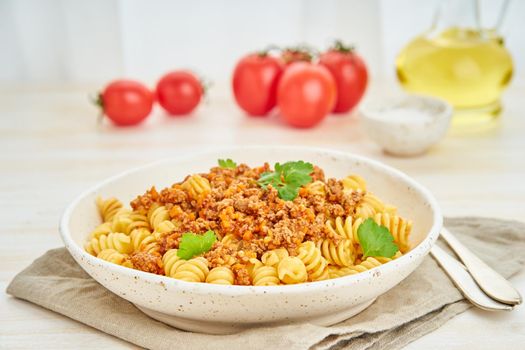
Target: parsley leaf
x=192, y=244
x=227, y=163
x=268, y=178
x=287, y=178
x=376, y=240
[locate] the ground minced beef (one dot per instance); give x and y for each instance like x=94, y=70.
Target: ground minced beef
x=256, y=217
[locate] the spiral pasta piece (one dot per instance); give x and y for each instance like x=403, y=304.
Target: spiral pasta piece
x=144, y=241
x=341, y=254
x=121, y=222
x=312, y=258
x=346, y=228
x=398, y=227
x=252, y=264
x=193, y=270
x=108, y=207
x=102, y=229
x=138, y=220
x=171, y=262
x=195, y=185
x=263, y=275
x=354, y=182
x=157, y=215
x=117, y=241
x=369, y=206
x=220, y=275
x=292, y=270
x=273, y=257
x=163, y=228
x=366, y=265
x=137, y=236
x=230, y=240
x=323, y=276
x=338, y=271
x=316, y=188
x=112, y=256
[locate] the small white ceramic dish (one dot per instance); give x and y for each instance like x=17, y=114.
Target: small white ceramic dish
x=222, y=309
x=407, y=125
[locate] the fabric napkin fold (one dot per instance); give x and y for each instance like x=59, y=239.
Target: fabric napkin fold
x=418, y=305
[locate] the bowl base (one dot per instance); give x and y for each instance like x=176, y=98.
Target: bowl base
x=218, y=327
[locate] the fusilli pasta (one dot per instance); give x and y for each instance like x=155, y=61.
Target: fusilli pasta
x=369, y=206
x=157, y=215
x=346, y=229
x=354, y=182
x=257, y=237
x=138, y=220
x=273, y=257
x=108, y=208
x=220, y=275
x=263, y=275
x=171, y=262
x=317, y=188
x=230, y=240
x=144, y=241
x=163, y=229
x=193, y=270
x=312, y=258
x=292, y=270
x=195, y=185
x=340, y=254
x=102, y=229
x=112, y=256
x=117, y=241
x=121, y=222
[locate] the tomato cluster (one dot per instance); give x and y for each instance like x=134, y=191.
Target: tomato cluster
x=304, y=86
x=304, y=91
x=129, y=102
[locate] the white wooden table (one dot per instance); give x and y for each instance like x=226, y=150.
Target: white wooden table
x=51, y=149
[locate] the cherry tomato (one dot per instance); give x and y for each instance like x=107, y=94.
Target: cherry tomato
x=254, y=83
x=306, y=94
x=350, y=74
x=126, y=102
x=179, y=92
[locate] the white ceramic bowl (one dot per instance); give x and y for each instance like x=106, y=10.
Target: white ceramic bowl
x=406, y=125
x=221, y=309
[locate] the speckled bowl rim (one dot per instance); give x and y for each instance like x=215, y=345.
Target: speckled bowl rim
x=422, y=248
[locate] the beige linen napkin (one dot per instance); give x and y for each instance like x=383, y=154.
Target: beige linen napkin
x=421, y=303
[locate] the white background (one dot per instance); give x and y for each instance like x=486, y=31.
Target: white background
x=91, y=42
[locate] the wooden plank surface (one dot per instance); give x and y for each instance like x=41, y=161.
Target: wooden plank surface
x=51, y=149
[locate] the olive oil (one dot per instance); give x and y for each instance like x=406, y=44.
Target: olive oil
x=468, y=68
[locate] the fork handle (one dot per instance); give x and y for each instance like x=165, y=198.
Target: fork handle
x=491, y=282
x=465, y=283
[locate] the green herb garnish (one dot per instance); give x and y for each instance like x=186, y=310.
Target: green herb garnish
x=227, y=163
x=376, y=240
x=192, y=244
x=287, y=178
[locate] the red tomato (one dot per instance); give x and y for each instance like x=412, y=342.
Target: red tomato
x=306, y=94
x=350, y=74
x=254, y=82
x=126, y=102
x=179, y=92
